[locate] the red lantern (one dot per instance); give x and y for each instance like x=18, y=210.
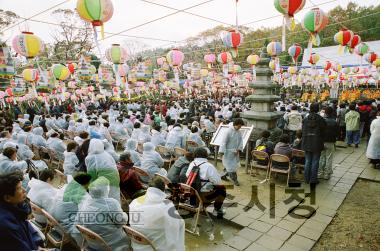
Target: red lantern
x=327, y=66
x=354, y=42
x=72, y=67
x=9, y=92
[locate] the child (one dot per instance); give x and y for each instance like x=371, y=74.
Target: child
x=71, y=160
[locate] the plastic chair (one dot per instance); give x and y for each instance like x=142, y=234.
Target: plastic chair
x=280, y=159
x=90, y=236
x=55, y=233
x=54, y=161
x=164, y=178
x=45, y=155
x=254, y=163
x=138, y=237
x=36, y=150
x=62, y=177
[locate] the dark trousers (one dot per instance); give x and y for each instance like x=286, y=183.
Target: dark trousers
x=342, y=133
x=311, y=166
x=217, y=196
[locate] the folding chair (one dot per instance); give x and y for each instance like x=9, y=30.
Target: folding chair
x=186, y=192
x=62, y=177
x=166, y=155
x=164, y=178
x=178, y=152
x=280, y=159
x=142, y=173
x=45, y=155
x=54, y=161
x=259, y=155
x=36, y=151
x=138, y=238
x=90, y=236
x=298, y=154
x=55, y=233
x=36, y=210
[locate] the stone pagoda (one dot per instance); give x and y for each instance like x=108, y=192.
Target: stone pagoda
x=262, y=115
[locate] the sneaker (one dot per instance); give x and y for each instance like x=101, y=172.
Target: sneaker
x=225, y=178
x=356, y=146
x=348, y=145
x=219, y=213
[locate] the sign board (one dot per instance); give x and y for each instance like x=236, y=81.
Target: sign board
x=222, y=130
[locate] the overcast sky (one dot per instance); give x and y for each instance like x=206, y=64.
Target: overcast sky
x=177, y=27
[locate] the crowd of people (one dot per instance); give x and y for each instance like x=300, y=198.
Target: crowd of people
x=102, y=149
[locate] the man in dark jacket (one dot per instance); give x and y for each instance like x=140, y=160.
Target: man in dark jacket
x=331, y=135
x=313, y=133
x=17, y=234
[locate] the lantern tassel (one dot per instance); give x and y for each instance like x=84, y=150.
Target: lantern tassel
x=254, y=73
x=102, y=31
x=209, y=65
x=284, y=34
x=340, y=49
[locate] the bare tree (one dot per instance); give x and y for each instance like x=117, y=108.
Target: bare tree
x=7, y=18
x=134, y=49
x=72, y=37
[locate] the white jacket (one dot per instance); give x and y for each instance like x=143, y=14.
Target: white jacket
x=156, y=217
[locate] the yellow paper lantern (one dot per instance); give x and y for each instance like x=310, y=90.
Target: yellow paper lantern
x=30, y=75
x=28, y=44
x=204, y=73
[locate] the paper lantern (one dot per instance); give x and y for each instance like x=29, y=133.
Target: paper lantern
x=272, y=65
x=346, y=70
x=337, y=67
x=30, y=75
x=209, y=59
x=224, y=57
x=161, y=61
x=274, y=49
x=204, y=73
x=361, y=49
x=356, y=39
x=232, y=39
x=253, y=59
x=72, y=67
x=295, y=51
x=175, y=57
x=377, y=62
x=123, y=70
x=116, y=54
x=2, y=94
x=292, y=70
x=92, y=69
x=60, y=72
x=237, y=68
x=355, y=70
x=96, y=12
x=327, y=66
x=9, y=91
x=343, y=37
x=28, y=45
x=370, y=57
x=314, y=22
x=313, y=59
x=289, y=7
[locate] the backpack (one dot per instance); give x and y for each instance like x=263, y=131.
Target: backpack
x=281, y=123
x=262, y=160
x=194, y=179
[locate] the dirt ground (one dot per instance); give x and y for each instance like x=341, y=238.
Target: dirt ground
x=356, y=226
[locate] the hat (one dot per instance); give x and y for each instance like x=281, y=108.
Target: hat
x=11, y=145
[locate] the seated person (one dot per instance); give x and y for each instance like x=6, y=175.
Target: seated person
x=38, y=139
x=109, y=224
x=177, y=172
x=156, y=219
x=297, y=144
x=131, y=148
x=157, y=137
x=109, y=148
x=70, y=164
x=265, y=145
x=8, y=163
x=211, y=184
x=130, y=184
x=283, y=147
x=195, y=137
x=152, y=161
x=81, y=137
x=56, y=144
x=42, y=192
x=23, y=152
x=17, y=234
x=67, y=201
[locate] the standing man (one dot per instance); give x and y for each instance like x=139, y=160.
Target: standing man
x=313, y=131
x=293, y=122
x=231, y=147
x=352, y=120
